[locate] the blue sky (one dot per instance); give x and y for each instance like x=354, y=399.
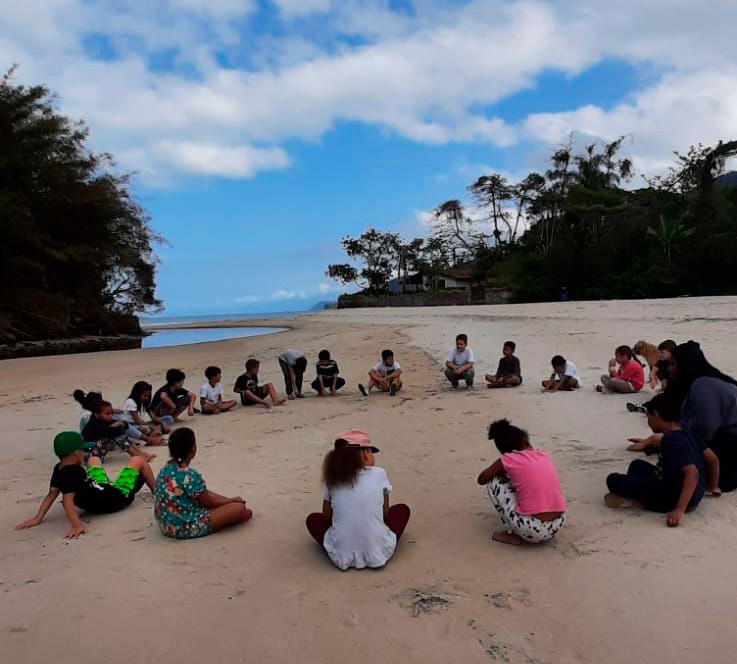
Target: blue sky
x=263, y=131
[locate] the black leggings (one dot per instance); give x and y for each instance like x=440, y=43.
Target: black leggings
x=642, y=483
x=327, y=381
x=724, y=445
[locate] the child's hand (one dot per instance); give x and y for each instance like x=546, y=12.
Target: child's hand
x=75, y=531
x=28, y=524
x=638, y=444
x=674, y=518
x=119, y=423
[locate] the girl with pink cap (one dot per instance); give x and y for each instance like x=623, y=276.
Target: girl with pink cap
x=357, y=527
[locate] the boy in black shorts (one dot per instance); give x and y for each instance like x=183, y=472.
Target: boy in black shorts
x=251, y=392
x=172, y=398
x=89, y=490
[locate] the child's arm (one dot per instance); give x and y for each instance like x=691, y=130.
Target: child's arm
x=77, y=527
x=46, y=504
x=211, y=500
x=499, y=368
x=394, y=374
x=137, y=419
x=639, y=444
x=374, y=375
x=690, y=480
x=494, y=470
x=711, y=461
x=167, y=400
x=386, y=503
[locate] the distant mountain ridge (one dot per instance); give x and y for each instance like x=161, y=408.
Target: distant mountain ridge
x=726, y=180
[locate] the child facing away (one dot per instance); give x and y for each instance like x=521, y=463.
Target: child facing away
x=251, y=392
x=211, y=393
x=357, y=527
x=184, y=507
x=625, y=376
x=523, y=487
x=107, y=433
x=386, y=375
x=564, y=377
x=676, y=484
x=89, y=490
x=509, y=371
x=328, y=379
x=173, y=399
x=459, y=365
x=293, y=364
x=138, y=403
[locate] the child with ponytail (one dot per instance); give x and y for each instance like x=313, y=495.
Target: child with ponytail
x=357, y=527
x=523, y=487
x=183, y=505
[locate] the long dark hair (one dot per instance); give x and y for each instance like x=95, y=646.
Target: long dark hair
x=137, y=392
x=508, y=437
x=692, y=365
x=342, y=465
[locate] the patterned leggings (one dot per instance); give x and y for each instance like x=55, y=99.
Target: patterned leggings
x=530, y=528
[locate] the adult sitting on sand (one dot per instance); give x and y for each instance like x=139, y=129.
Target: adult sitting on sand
x=357, y=527
x=709, y=412
x=523, y=487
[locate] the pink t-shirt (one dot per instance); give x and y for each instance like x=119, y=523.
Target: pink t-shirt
x=535, y=481
x=633, y=372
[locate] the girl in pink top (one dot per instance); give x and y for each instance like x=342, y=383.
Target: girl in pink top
x=523, y=487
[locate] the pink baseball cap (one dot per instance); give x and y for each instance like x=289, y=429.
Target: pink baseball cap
x=354, y=438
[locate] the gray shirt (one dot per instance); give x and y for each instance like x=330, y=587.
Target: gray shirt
x=291, y=356
x=711, y=405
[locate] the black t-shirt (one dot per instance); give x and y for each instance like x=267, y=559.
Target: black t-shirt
x=89, y=496
x=509, y=366
x=174, y=393
x=328, y=370
x=74, y=479
x=245, y=382
x=95, y=430
x=678, y=450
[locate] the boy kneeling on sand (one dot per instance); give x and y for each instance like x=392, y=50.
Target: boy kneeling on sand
x=89, y=490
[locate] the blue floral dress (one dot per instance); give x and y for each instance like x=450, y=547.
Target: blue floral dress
x=176, y=509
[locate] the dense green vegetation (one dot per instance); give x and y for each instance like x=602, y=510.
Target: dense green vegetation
x=76, y=251
x=579, y=226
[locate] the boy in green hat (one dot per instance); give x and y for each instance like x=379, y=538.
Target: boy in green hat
x=89, y=490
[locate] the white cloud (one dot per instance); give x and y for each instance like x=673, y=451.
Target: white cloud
x=294, y=8
x=428, y=76
x=228, y=161
x=247, y=299
x=321, y=288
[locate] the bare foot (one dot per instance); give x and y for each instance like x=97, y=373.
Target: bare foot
x=715, y=492
x=507, y=538
x=618, y=502
x=280, y=402
x=599, y=388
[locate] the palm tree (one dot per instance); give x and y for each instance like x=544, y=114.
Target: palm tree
x=669, y=233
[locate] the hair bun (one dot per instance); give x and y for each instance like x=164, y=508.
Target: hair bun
x=498, y=427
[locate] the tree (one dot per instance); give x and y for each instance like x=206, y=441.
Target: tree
x=669, y=233
x=378, y=251
x=492, y=192
x=453, y=227
x=77, y=250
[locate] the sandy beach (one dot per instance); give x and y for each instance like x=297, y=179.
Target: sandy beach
x=615, y=586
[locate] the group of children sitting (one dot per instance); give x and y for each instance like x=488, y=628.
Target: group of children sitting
x=357, y=527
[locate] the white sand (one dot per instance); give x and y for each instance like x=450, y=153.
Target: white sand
x=614, y=587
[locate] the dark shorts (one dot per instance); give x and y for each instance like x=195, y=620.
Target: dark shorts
x=107, y=498
x=261, y=392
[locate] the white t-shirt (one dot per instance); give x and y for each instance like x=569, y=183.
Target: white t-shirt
x=569, y=372
x=459, y=359
x=359, y=537
x=384, y=370
x=211, y=394
x=129, y=407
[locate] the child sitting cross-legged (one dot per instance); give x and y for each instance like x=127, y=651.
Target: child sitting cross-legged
x=509, y=371
x=183, y=505
x=108, y=433
x=211, y=393
x=676, y=484
x=625, y=373
x=523, y=487
x=88, y=489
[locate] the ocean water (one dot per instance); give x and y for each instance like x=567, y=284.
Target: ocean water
x=147, y=321
x=178, y=337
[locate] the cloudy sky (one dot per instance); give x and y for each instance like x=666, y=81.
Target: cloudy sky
x=262, y=131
